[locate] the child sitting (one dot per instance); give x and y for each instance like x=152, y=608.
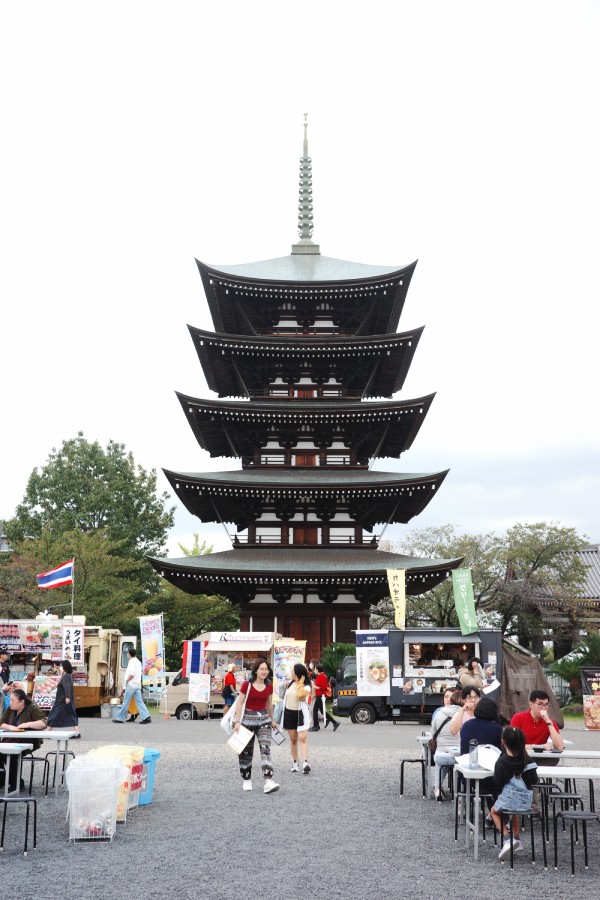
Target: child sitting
x=514, y=777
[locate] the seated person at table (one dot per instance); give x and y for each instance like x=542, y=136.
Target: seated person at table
x=471, y=675
x=445, y=739
x=469, y=698
x=514, y=777
x=536, y=723
x=21, y=714
x=484, y=729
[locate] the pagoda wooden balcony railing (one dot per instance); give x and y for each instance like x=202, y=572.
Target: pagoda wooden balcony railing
x=282, y=393
x=295, y=331
x=278, y=460
x=263, y=540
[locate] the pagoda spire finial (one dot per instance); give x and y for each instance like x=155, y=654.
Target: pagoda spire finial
x=305, y=209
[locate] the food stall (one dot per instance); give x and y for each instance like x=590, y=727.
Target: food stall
x=196, y=690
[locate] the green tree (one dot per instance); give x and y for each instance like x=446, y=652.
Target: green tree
x=197, y=548
x=543, y=577
x=92, y=489
x=332, y=656
x=587, y=653
x=110, y=589
x=188, y=615
x=525, y=582
x=482, y=554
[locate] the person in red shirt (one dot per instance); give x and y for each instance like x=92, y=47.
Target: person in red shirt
x=256, y=714
x=536, y=723
x=229, y=686
x=321, y=687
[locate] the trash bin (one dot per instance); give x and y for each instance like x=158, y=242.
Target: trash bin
x=148, y=771
x=93, y=784
x=105, y=711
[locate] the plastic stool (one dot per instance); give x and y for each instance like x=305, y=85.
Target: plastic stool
x=420, y=762
x=573, y=816
x=27, y=801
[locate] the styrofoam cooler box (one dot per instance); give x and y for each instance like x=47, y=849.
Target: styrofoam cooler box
x=132, y=759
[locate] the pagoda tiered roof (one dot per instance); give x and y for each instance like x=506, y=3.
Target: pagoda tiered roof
x=374, y=366
x=248, y=299
x=241, y=573
x=374, y=429
x=373, y=497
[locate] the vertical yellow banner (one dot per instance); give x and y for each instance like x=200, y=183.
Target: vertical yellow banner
x=397, y=584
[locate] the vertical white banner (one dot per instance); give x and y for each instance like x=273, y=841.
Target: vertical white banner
x=73, y=644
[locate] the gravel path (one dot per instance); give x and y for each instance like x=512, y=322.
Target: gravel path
x=341, y=832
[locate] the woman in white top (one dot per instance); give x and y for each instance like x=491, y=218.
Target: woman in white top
x=296, y=716
x=469, y=699
x=440, y=723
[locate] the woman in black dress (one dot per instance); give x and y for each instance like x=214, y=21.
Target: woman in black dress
x=63, y=714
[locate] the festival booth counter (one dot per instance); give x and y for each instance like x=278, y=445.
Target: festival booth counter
x=197, y=689
x=36, y=647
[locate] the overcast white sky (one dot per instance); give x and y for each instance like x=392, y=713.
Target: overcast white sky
x=137, y=135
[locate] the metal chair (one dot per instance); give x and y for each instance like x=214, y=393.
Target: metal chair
x=58, y=754
x=533, y=816
x=573, y=817
x=420, y=762
x=27, y=801
x=45, y=770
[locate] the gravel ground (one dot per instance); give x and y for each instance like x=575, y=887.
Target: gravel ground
x=341, y=832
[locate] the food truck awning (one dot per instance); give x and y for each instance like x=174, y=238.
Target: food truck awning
x=238, y=646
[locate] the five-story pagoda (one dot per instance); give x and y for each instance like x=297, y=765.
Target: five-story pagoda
x=307, y=347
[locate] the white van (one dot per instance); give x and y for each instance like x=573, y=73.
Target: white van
x=174, y=701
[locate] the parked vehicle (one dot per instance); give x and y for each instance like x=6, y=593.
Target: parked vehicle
x=419, y=665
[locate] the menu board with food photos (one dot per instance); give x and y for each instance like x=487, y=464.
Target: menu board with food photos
x=372, y=663
x=44, y=690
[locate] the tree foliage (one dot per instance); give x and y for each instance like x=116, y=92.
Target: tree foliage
x=84, y=487
x=332, y=656
x=187, y=615
x=587, y=653
x=525, y=582
x=109, y=589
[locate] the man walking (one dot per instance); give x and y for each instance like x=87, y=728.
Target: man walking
x=133, y=688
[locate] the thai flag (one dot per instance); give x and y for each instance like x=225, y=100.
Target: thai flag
x=57, y=577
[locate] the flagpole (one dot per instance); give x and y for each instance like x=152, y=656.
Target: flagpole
x=73, y=593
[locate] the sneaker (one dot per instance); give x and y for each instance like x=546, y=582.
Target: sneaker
x=270, y=786
x=118, y=721
x=505, y=852
x=295, y=767
x=314, y=729
x=305, y=768
x=246, y=785
x=517, y=846
x=147, y=721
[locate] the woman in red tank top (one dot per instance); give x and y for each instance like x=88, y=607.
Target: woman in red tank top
x=256, y=701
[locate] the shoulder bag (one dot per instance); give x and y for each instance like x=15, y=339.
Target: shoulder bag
x=228, y=720
x=432, y=743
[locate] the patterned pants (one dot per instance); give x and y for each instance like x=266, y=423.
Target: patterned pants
x=260, y=725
